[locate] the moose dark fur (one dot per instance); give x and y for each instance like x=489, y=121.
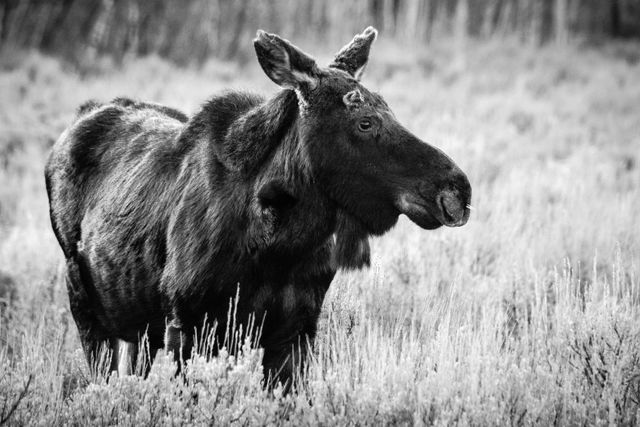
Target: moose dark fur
x=163, y=218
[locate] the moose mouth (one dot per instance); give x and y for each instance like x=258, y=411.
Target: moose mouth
x=432, y=215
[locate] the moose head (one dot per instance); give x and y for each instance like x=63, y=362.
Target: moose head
x=370, y=165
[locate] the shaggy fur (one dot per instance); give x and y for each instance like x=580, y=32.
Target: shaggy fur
x=163, y=218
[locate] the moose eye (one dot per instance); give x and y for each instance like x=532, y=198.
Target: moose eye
x=364, y=125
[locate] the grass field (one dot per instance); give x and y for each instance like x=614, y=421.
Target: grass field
x=527, y=315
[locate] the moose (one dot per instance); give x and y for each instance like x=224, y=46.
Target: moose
x=163, y=218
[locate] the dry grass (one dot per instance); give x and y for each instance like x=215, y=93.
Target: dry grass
x=527, y=315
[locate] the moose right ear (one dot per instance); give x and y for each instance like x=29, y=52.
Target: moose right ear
x=284, y=63
x=353, y=57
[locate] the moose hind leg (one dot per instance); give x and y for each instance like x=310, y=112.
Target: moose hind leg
x=124, y=357
x=132, y=358
x=179, y=343
x=96, y=343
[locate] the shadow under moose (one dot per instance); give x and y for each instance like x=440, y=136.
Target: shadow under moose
x=162, y=217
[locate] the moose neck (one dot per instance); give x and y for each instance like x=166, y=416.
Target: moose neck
x=262, y=147
x=254, y=135
x=290, y=163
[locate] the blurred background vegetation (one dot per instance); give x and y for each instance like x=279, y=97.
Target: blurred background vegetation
x=190, y=31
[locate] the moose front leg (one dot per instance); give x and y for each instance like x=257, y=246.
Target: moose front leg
x=293, y=323
x=285, y=363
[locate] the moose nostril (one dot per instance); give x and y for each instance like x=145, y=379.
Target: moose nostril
x=452, y=207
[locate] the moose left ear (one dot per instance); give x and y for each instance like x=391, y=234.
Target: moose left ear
x=353, y=57
x=284, y=63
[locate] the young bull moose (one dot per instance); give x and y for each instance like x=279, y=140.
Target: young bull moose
x=162, y=217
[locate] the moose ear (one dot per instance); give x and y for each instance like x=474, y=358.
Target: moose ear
x=284, y=63
x=354, y=56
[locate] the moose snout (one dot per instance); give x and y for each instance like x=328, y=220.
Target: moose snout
x=432, y=207
x=436, y=192
x=454, y=201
